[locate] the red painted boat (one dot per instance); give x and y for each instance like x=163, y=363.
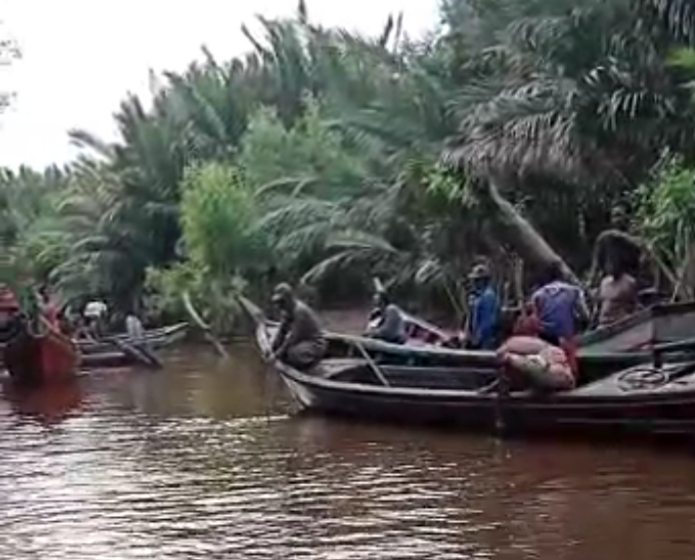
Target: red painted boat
x=40, y=359
x=34, y=358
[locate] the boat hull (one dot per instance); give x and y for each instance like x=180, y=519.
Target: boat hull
x=667, y=417
x=635, y=402
x=153, y=339
x=41, y=359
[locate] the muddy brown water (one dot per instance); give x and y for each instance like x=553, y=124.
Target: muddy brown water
x=207, y=460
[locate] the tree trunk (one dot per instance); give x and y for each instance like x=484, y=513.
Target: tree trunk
x=514, y=230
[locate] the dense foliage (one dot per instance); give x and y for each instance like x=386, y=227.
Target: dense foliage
x=324, y=158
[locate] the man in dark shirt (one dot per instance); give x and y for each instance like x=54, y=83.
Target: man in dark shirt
x=386, y=322
x=299, y=341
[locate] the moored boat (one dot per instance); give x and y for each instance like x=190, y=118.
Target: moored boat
x=33, y=358
x=624, y=344
x=153, y=339
x=45, y=358
x=646, y=399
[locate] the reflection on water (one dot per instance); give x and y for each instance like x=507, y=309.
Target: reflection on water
x=204, y=460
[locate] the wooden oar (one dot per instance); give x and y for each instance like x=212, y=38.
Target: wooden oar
x=198, y=320
x=502, y=393
x=142, y=355
x=372, y=365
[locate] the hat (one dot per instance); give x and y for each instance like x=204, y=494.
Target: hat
x=479, y=271
x=282, y=292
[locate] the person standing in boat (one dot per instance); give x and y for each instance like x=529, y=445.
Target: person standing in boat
x=134, y=328
x=618, y=295
x=481, y=331
x=49, y=307
x=559, y=306
x=615, y=244
x=386, y=322
x=299, y=341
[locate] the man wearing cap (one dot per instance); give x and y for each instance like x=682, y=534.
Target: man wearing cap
x=482, y=328
x=299, y=341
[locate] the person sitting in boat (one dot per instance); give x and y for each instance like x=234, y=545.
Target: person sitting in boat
x=134, y=328
x=618, y=294
x=81, y=330
x=535, y=362
x=559, y=306
x=386, y=321
x=481, y=331
x=95, y=312
x=299, y=341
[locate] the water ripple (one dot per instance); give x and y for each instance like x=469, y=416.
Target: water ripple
x=188, y=475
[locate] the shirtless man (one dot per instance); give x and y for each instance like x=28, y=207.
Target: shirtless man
x=617, y=295
x=616, y=244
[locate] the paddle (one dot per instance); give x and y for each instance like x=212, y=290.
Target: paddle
x=142, y=355
x=198, y=320
x=372, y=365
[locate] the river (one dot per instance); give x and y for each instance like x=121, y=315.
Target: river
x=205, y=460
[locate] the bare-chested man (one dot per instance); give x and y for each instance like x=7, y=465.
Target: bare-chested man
x=617, y=296
x=616, y=244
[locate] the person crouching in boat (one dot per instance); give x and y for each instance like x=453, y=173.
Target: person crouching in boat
x=530, y=360
x=537, y=363
x=299, y=341
x=49, y=307
x=386, y=322
x=481, y=331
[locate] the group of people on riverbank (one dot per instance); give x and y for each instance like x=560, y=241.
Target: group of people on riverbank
x=541, y=345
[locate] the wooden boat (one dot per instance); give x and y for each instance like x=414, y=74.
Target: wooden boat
x=621, y=345
x=153, y=339
x=45, y=358
x=645, y=399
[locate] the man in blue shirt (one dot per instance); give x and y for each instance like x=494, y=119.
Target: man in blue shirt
x=559, y=305
x=482, y=327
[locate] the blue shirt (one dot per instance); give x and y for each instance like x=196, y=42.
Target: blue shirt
x=556, y=304
x=484, y=320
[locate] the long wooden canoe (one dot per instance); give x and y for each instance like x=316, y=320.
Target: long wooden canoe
x=621, y=345
x=153, y=338
x=637, y=401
